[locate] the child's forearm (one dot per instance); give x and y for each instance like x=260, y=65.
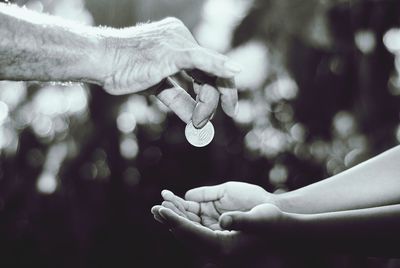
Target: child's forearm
x=375, y=182
x=371, y=231
x=368, y=232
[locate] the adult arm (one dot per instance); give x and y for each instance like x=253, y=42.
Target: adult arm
x=40, y=47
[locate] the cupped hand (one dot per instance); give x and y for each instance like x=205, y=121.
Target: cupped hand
x=142, y=57
x=205, y=205
x=203, y=240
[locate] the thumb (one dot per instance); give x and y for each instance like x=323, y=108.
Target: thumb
x=237, y=220
x=259, y=218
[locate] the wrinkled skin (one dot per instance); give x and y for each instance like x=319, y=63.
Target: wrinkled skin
x=139, y=58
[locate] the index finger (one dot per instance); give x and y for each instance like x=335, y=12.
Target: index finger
x=178, y=100
x=205, y=193
x=192, y=209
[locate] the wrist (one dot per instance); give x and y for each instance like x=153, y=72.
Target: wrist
x=103, y=50
x=95, y=66
x=288, y=202
x=85, y=53
x=115, y=49
x=277, y=200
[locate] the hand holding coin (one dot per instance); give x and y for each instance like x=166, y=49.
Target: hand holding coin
x=196, y=114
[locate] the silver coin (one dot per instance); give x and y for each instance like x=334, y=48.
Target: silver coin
x=199, y=137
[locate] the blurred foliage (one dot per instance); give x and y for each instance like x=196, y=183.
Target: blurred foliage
x=79, y=169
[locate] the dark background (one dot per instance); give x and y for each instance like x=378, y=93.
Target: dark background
x=80, y=169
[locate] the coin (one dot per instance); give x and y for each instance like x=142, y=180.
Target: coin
x=199, y=137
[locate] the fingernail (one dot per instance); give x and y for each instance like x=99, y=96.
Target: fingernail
x=212, y=116
x=166, y=194
x=226, y=222
x=201, y=124
x=161, y=212
x=229, y=110
x=235, y=112
x=233, y=66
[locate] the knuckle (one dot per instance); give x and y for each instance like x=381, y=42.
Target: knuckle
x=183, y=59
x=189, y=53
x=176, y=26
x=194, y=55
x=173, y=24
x=172, y=20
x=164, y=45
x=109, y=90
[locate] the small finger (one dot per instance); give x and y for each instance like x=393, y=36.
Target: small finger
x=158, y=218
x=184, y=205
x=171, y=197
x=193, y=217
x=172, y=207
x=156, y=214
x=172, y=219
x=189, y=208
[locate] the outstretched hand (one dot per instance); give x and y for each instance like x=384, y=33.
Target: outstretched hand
x=205, y=205
x=230, y=227
x=139, y=58
x=212, y=243
x=243, y=239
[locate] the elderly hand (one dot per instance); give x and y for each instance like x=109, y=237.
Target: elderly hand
x=206, y=204
x=138, y=58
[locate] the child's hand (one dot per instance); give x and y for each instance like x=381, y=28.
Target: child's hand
x=205, y=205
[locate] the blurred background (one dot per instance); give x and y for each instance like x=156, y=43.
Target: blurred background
x=80, y=169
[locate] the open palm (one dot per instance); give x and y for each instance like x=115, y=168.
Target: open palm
x=207, y=242
x=204, y=205
x=243, y=238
